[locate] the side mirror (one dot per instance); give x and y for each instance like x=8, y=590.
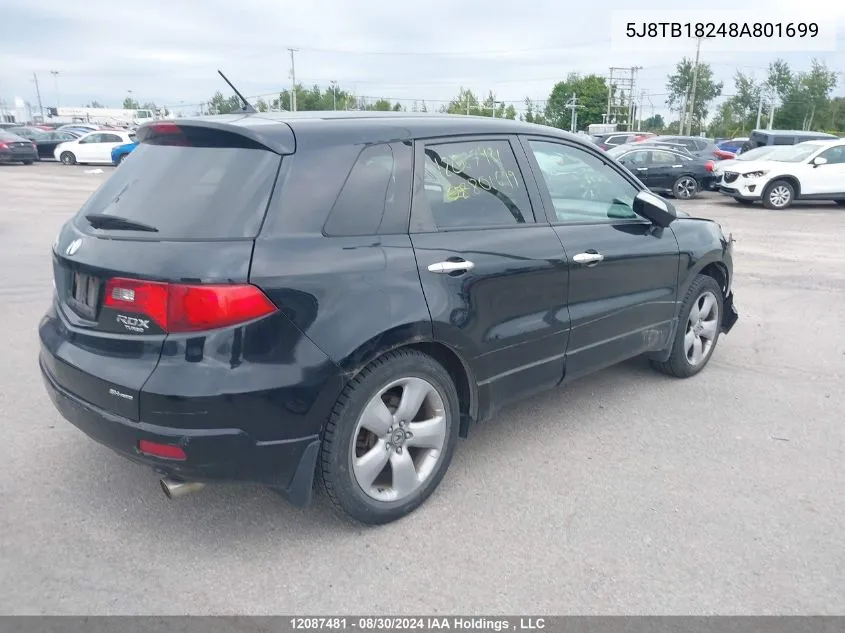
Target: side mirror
x=819, y=160
x=654, y=209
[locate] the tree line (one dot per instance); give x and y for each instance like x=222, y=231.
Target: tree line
x=792, y=99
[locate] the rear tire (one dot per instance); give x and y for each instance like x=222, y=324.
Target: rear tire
x=685, y=188
x=698, y=332
x=397, y=421
x=778, y=195
x=27, y=162
x=744, y=202
x=68, y=158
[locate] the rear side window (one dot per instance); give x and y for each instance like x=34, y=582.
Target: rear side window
x=189, y=192
x=379, y=182
x=784, y=140
x=475, y=184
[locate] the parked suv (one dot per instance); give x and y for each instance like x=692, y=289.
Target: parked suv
x=761, y=138
x=813, y=170
x=275, y=298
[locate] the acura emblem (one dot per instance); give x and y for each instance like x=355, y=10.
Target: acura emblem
x=73, y=247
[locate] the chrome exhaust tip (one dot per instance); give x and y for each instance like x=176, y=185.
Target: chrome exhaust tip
x=173, y=488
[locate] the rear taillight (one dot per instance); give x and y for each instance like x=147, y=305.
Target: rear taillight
x=709, y=165
x=188, y=308
x=4, y=146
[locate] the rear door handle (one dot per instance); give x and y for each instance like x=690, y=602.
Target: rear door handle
x=451, y=267
x=588, y=258
x=642, y=168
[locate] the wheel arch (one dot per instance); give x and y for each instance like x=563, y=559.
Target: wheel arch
x=418, y=338
x=792, y=180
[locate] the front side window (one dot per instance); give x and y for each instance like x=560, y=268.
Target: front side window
x=475, y=184
x=588, y=190
x=834, y=155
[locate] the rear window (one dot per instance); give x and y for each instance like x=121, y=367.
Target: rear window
x=190, y=192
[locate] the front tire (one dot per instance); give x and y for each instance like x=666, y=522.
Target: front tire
x=67, y=158
x=685, y=188
x=390, y=438
x=698, y=332
x=778, y=195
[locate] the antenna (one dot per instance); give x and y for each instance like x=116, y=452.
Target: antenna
x=247, y=107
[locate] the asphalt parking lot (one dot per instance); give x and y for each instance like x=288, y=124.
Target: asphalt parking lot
x=626, y=493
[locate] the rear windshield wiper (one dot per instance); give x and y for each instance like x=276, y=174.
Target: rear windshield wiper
x=115, y=223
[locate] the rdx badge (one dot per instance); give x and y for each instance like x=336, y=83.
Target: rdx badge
x=133, y=324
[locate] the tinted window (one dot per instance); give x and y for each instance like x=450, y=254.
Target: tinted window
x=475, y=183
x=190, y=192
x=659, y=157
x=784, y=140
x=701, y=144
x=111, y=138
x=587, y=189
x=637, y=159
x=93, y=138
x=379, y=180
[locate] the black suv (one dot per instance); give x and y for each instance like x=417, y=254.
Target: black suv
x=269, y=298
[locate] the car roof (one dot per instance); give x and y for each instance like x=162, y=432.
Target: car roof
x=273, y=130
x=821, y=135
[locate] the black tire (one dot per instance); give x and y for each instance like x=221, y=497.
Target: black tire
x=67, y=158
x=334, y=467
x=777, y=191
x=744, y=202
x=685, y=188
x=27, y=162
x=678, y=364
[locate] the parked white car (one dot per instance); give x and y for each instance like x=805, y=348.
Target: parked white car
x=813, y=170
x=758, y=153
x=94, y=147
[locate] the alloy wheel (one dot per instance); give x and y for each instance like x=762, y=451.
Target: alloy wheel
x=398, y=439
x=780, y=196
x=702, y=328
x=685, y=188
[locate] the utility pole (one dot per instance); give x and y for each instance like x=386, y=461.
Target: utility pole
x=573, y=106
x=640, y=111
x=759, y=113
x=55, y=74
x=467, y=96
x=292, y=80
x=334, y=95
x=694, y=87
x=631, y=106
x=38, y=94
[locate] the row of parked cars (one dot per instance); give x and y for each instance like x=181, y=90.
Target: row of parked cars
x=685, y=165
x=69, y=144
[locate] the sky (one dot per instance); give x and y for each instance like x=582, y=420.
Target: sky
x=168, y=51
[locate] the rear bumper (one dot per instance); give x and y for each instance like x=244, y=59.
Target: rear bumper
x=17, y=157
x=213, y=455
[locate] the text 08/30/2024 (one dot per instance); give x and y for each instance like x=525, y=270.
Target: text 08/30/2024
x=733, y=31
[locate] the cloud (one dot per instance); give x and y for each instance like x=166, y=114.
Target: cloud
x=168, y=52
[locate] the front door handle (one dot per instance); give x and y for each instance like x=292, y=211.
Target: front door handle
x=451, y=267
x=642, y=168
x=588, y=258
